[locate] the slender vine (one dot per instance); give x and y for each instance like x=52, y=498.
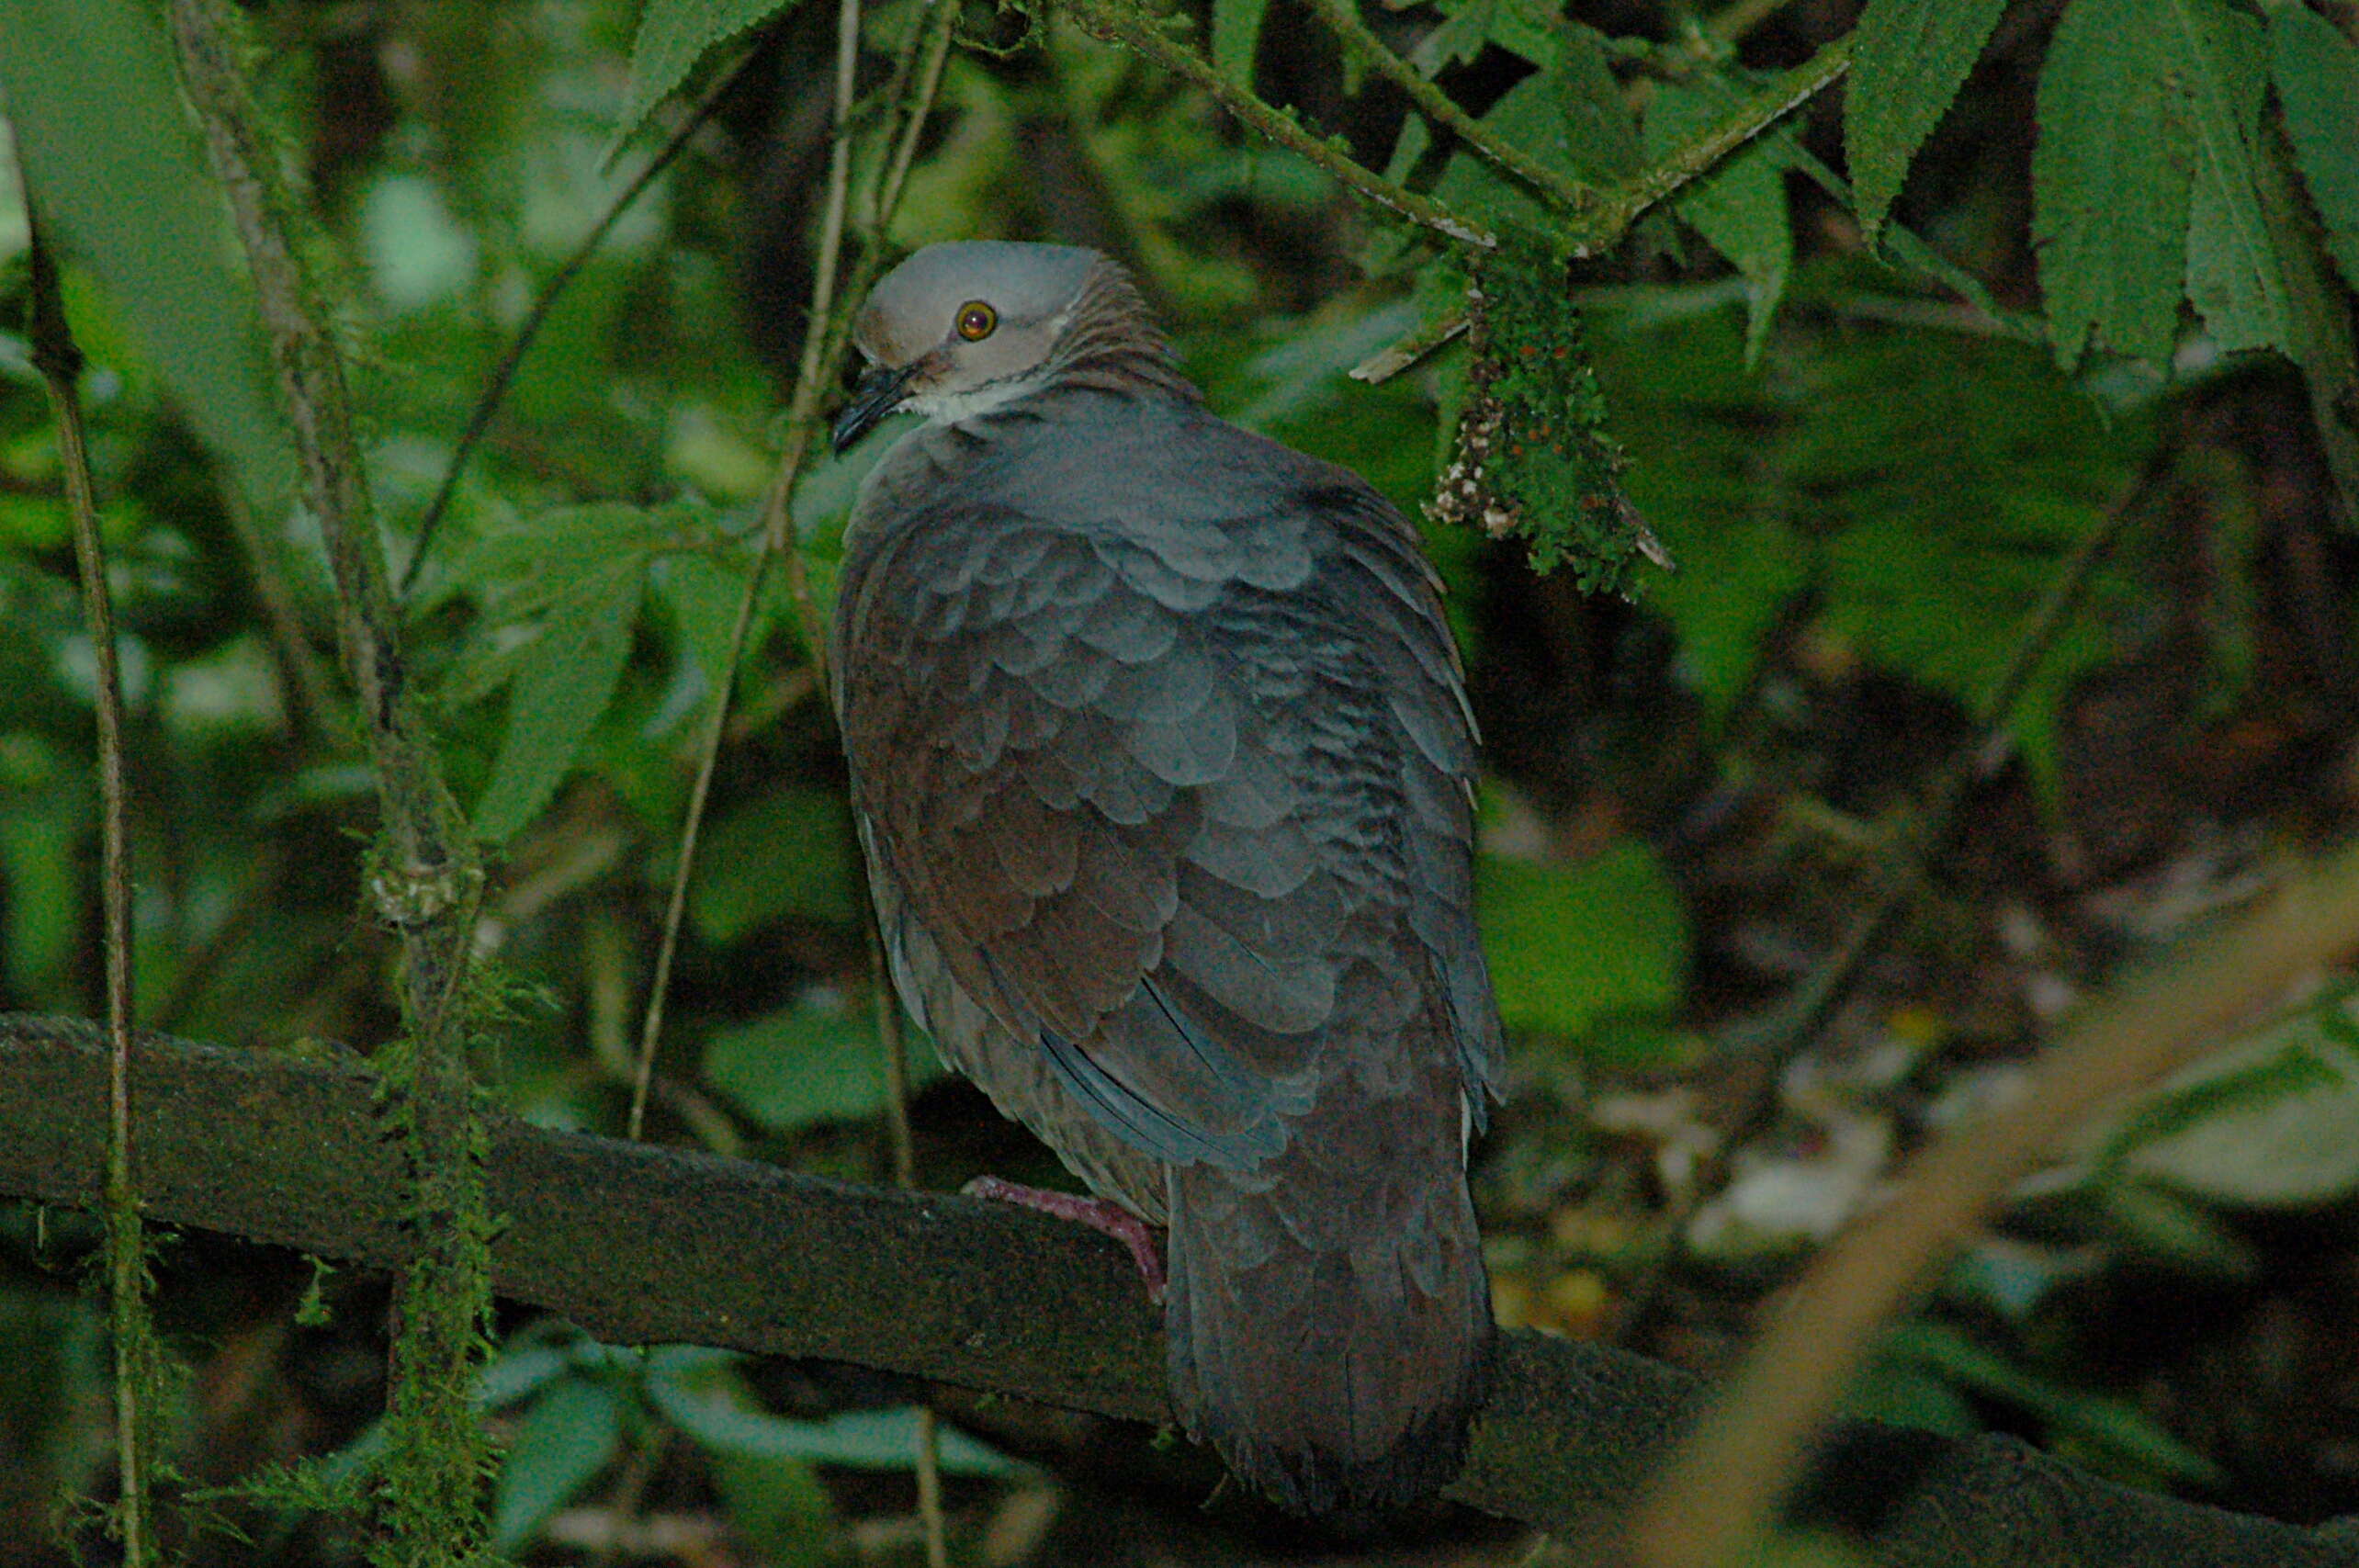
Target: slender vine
x=139, y=1355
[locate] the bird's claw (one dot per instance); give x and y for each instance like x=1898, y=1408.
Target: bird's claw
x=1100, y=1214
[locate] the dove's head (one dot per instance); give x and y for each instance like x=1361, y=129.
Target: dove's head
x=958, y=329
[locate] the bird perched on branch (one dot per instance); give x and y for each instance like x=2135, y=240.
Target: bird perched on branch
x=1164, y=768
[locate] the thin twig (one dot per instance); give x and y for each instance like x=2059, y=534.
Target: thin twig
x=59, y=361
x=503, y=374
x=1342, y=16
x=935, y=32
x=1428, y=335
x=891, y=1044
x=1117, y=21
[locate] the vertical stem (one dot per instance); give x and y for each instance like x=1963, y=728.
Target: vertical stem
x=59, y=361
x=891, y=1042
x=425, y=880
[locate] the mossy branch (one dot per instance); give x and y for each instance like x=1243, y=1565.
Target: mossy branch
x=1119, y=21
x=643, y=1245
x=1627, y=203
x=425, y=880
x=1570, y=196
x=1594, y=222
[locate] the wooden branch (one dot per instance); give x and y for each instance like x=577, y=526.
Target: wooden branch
x=1627, y=203
x=641, y=1245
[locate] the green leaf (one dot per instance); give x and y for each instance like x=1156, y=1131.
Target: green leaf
x=699, y=1391
x=1740, y=207
x=673, y=36
x=1569, y=943
x=1525, y=27
x=1908, y=59
x=2234, y=273
x=116, y=175
x=1237, y=38
x=1946, y=554
x=779, y=1506
x=2114, y=1424
x=566, y=1438
x=703, y=595
x=1601, y=139
x=788, y=854
x=2111, y=180
x=2271, y=1122
x=2317, y=73
x=1703, y=475
x=816, y=1061
x=562, y=686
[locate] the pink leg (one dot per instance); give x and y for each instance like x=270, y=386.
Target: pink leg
x=1099, y=1214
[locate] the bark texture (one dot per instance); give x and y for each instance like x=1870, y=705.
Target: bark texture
x=640, y=1245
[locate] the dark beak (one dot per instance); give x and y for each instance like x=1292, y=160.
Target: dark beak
x=879, y=394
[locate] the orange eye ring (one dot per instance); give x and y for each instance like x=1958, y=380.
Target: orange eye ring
x=976, y=321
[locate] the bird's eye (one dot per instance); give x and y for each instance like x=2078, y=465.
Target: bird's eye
x=976, y=321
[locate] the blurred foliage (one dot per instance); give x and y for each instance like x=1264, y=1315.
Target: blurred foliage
x=1874, y=467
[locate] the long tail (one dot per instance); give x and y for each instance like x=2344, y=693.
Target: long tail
x=1328, y=1315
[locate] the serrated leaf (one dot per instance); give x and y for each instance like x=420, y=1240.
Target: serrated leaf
x=1908, y=59
x=565, y=1437
x=2112, y=181
x=1944, y=555
x=2317, y=73
x=816, y=1061
x=2234, y=273
x=673, y=36
x=1740, y=207
x=1569, y=943
x=117, y=176
x=562, y=686
x=1237, y=37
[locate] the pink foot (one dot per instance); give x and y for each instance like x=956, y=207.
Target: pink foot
x=1099, y=1214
